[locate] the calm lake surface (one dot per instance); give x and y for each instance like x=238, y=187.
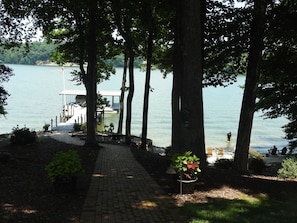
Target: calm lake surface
x=35, y=100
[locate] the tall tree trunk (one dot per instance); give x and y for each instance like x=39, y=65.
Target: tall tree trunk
x=190, y=101
x=176, y=138
x=147, y=90
x=130, y=98
x=91, y=83
x=250, y=91
x=122, y=97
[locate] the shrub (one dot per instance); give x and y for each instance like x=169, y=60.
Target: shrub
x=224, y=163
x=46, y=127
x=84, y=127
x=22, y=136
x=256, y=165
x=288, y=169
x=64, y=167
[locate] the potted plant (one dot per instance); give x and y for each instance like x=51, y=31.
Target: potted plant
x=63, y=170
x=186, y=166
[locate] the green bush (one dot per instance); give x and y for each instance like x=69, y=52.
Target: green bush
x=224, y=163
x=22, y=136
x=64, y=167
x=46, y=127
x=288, y=169
x=84, y=127
x=256, y=165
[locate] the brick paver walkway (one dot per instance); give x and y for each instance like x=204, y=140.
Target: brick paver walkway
x=121, y=191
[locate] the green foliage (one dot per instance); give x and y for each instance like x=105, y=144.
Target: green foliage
x=46, y=126
x=224, y=164
x=38, y=52
x=22, y=136
x=186, y=165
x=277, y=89
x=84, y=127
x=64, y=167
x=225, y=49
x=109, y=128
x=101, y=102
x=5, y=74
x=288, y=169
x=43, y=52
x=256, y=165
x=118, y=61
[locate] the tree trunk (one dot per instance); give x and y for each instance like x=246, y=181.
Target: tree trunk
x=129, y=99
x=91, y=83
x=188, y=102
x=147, y=90
x=250, y=91
x=123, y=89
x=176, y=137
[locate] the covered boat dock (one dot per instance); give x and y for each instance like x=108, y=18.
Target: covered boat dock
x=79, y=96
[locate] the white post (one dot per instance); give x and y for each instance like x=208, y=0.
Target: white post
x=64, y=96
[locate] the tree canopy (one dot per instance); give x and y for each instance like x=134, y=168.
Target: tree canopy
x=5, y=74
x=278, y=83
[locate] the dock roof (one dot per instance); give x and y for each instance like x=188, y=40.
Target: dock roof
x=83, y=92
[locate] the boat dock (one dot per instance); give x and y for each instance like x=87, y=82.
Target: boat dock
x=75, y=110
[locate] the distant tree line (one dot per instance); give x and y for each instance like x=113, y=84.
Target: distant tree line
x=40, y=53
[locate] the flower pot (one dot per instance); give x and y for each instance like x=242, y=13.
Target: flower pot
x=187, y=186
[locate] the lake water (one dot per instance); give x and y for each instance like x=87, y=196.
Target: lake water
x=35, y=100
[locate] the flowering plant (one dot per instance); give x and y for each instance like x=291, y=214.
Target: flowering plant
x=186, y=165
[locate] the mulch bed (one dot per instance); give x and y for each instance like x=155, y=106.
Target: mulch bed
x=27, y=195
x=217, y=182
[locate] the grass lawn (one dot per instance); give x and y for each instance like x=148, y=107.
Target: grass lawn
x=259, y=209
